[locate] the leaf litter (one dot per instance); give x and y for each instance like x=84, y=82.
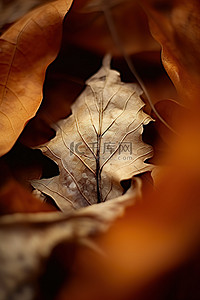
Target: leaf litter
x=11, y=222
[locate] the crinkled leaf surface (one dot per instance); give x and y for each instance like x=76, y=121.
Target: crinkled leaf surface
x=26, y=50
x=100, y=144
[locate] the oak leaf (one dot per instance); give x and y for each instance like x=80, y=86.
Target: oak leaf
x=99, y=145
x=26, y=49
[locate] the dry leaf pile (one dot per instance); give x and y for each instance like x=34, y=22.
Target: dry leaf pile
x=105, y=205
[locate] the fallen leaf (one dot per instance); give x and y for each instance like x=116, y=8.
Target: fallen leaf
x=26, y=50
x=99, y=145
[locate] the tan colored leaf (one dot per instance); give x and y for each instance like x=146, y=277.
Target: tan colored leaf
x=100, y=144
x=26, y=50
x=33, y=237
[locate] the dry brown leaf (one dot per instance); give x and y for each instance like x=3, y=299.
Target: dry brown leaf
x=26, y=50
x=33, y=237
x=175, y=25
x=100, y=144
